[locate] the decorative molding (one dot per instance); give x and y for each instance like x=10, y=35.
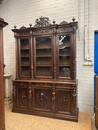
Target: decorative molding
x=42, y=22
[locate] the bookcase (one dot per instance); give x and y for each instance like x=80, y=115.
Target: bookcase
x=46, y=83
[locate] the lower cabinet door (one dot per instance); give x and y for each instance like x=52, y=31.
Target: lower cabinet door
x=22, y=97
x=64, y=100
x=43, y=99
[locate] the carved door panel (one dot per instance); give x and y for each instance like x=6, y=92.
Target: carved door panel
x=22, y=96
x=64, y=100
x=43, y=99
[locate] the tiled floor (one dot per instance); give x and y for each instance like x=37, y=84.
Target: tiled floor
x=16, y=121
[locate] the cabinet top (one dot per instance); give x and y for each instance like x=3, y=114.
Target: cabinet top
x=73, y=82
x=3, y=23
x=44, y=23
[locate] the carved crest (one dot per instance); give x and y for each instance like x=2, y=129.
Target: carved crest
x=42, y=22
x=23, y=27
x=63, y=22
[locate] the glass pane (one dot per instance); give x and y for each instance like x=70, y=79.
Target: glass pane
x=64, y=55
x=44, y=71
x=25, y=71
x=25, y=57
x=24, y=43
x=44, y=56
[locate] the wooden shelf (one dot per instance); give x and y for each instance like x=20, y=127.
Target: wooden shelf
x=25, y=57
x=42, y=48
x=44, y=65
x=42, y=56
x=64, y=65
x=24, y=49
x=25, y=65
x=65, y=55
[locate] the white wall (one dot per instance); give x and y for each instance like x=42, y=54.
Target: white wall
x=24, y=12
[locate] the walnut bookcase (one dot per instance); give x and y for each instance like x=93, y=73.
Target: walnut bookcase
x=45, y=81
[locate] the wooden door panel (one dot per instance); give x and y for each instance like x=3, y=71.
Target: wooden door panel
x=63, y=101
x=22, y=97
x=43, y=99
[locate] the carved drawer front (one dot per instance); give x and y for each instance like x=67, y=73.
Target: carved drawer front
x=22, y=96
x=42, y=99
x=63, y=101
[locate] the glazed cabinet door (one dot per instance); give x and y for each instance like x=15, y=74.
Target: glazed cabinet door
x=43, y=56
x=24, y=57
x=64, y=56
x=64, y=101
x=43, y=99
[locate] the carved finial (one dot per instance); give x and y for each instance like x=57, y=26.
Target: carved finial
x=30, y=25
x=15, y=27
x=54, y=21
x=73, y=19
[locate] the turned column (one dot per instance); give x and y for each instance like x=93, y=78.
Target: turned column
x=2, y=115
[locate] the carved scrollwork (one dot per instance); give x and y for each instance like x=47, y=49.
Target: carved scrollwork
x=42, y=22
x=24, y=95
x=65, y=99
x=14, y=91
x=42, y=97
x=30, y=92
x=74, y=93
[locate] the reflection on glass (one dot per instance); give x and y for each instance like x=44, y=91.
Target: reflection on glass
x=64, y=55
x=64, y=41
x=65, y=72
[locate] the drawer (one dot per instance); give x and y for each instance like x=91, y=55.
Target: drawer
x=42, y=84
x=20, y=83
x=64, y=85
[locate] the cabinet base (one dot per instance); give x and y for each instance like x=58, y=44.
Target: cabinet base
x=49, y=115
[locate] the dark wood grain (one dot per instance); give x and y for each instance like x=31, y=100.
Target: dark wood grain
x=2, y=115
